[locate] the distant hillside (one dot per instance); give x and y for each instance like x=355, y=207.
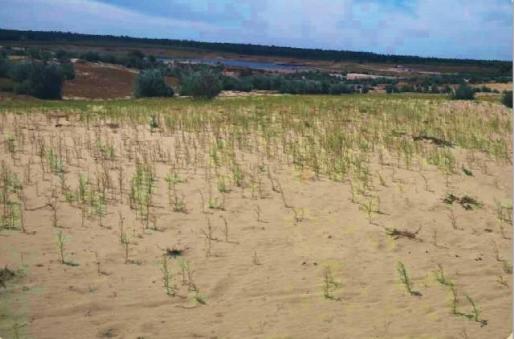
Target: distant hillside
x=502, y=67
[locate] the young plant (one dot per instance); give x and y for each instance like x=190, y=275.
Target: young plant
x=298, y=215
x=216, y=204
x=370, y=207
x=55, y=163
x=209, y=237
x=222, y=186
x=167, y=277
x=255, y=259
x=199, y=298
x=178, y=203
x=97, y=262
x=226, y=228
x=99, y=205
x=453, y=219
x=405, y=280
x=475, y=310
x=441, y=278
x=504, y=212
x=237, y=175
x=153, y=123
x=60, y=246
x=258, y=214
x=329, y=285
x=125, y=243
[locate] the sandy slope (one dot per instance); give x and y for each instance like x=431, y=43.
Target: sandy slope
x=267, y=280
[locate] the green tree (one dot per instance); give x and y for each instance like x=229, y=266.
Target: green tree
x=507, y=99
x=45, y=81
x=20, y=71
x=90, y=56
x=151, y=83
x=463, y=92
x=391, y=89
x=205, y=84
x=4, y=66
x=68, y=71
x=61, y=54
x=40, y=80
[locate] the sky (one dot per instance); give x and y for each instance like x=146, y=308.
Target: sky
x=476, y=29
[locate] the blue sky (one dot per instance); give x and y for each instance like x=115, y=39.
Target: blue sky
x=478, y=29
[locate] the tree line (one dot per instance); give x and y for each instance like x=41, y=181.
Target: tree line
x=43, y=72
x=497, y=67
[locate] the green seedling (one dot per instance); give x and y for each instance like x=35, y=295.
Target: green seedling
x=405, y=280
x=125, y=243
x=441, y=278
x=60, y=246
x=55, y=163
x=329, y=285
x=167, y=277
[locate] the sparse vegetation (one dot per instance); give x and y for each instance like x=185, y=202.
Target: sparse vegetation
x=276, y=176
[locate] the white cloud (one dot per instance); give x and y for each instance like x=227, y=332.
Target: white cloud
x=88, y=16
x=429, y=27
x=457, y=28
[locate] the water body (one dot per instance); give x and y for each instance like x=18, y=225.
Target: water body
x=257, y=65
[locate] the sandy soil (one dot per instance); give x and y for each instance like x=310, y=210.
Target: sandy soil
x=103, y=81
x=262, y=275
x=99, y=81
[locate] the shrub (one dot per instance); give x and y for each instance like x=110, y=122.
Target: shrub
x=204, y=84
x=39, y=54
x=245, y=85
x=90, y=56
x=446, y=89
x=20, y=71
x=463, y=92
x=6, y=85
x=507, y=99
x=68, y=71
x=44, y=81
x=62, y=55
x=135, y=59
x=407, y=88
x=4, y=66
x=37, y=75
x=37, y=79
x=230, y=83
x=312, y=87
x=152, y=59
x=151, y=83
x=262, y=82
x=22, y=88
x=339, y=88
x=391, y=89
x=486, y=89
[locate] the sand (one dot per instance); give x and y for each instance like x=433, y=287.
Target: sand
x=267, y=278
